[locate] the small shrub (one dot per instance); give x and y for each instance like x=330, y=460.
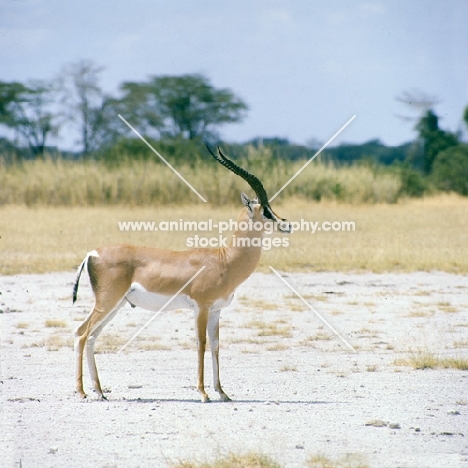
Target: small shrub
x=413, y=182
x=450, y=170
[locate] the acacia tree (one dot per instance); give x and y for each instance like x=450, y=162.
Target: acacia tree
x=83, y=101
x=186, y=106
x=11, y=96
x=26, y=109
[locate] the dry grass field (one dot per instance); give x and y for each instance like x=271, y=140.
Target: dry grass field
x=139, y=183
x=417, y=234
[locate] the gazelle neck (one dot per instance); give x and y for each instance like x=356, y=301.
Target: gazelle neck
x=245, y=247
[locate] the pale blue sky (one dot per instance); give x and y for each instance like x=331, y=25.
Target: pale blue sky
x=304, y=67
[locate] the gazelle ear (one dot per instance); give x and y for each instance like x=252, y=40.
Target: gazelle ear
x=246, y=201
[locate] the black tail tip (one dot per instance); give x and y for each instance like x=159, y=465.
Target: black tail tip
x=75, y=293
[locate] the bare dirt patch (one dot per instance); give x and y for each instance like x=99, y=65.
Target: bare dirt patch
x=297, y=390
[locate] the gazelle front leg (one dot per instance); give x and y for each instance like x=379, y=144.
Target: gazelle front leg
x=201, y=320
x=213, y=333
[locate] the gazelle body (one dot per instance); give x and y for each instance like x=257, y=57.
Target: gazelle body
x=150, y=277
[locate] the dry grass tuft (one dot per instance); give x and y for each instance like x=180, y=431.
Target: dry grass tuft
x=418, y=313
x=244, y=340
x=419, y=360
x=250, y=460
x=447, y=307
x=347, y=461
x=310, y=297
x=110, y=342
x=277, y=347
x=288, y=368
x=321, y=336
x=56, y=342
x=459, y=363
x=52, y=323
x=422, y=293
x=22, y=325
x=429, y=360
x=376, y=423
x=461, y=344
x=152, y=346
x=260, y=304
x=295, y=307
x=270, y=329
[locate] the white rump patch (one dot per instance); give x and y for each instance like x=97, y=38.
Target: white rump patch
x=140, y=297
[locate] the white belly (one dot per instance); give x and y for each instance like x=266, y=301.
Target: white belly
x=222, y=303
x=140, y=297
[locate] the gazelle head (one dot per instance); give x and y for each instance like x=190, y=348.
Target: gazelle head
x=259, y=205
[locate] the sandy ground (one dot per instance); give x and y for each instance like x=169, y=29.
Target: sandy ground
x=296, y=389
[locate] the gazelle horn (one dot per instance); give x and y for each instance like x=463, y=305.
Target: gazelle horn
x=253, y=181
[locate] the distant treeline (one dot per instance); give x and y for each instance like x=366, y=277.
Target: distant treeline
x=372, y=151
x=178, y=115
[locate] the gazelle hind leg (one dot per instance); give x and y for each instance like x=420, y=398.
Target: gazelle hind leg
x=81, y=336
x=97, y=316
x=90, y=350
x=201, y=320
x=79, y=343
x=213, y=333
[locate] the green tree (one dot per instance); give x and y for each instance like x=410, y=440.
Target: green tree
x=26, y=109
x=140, y=107
x=10, y=95
x=186, y=106
x=432, y=139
